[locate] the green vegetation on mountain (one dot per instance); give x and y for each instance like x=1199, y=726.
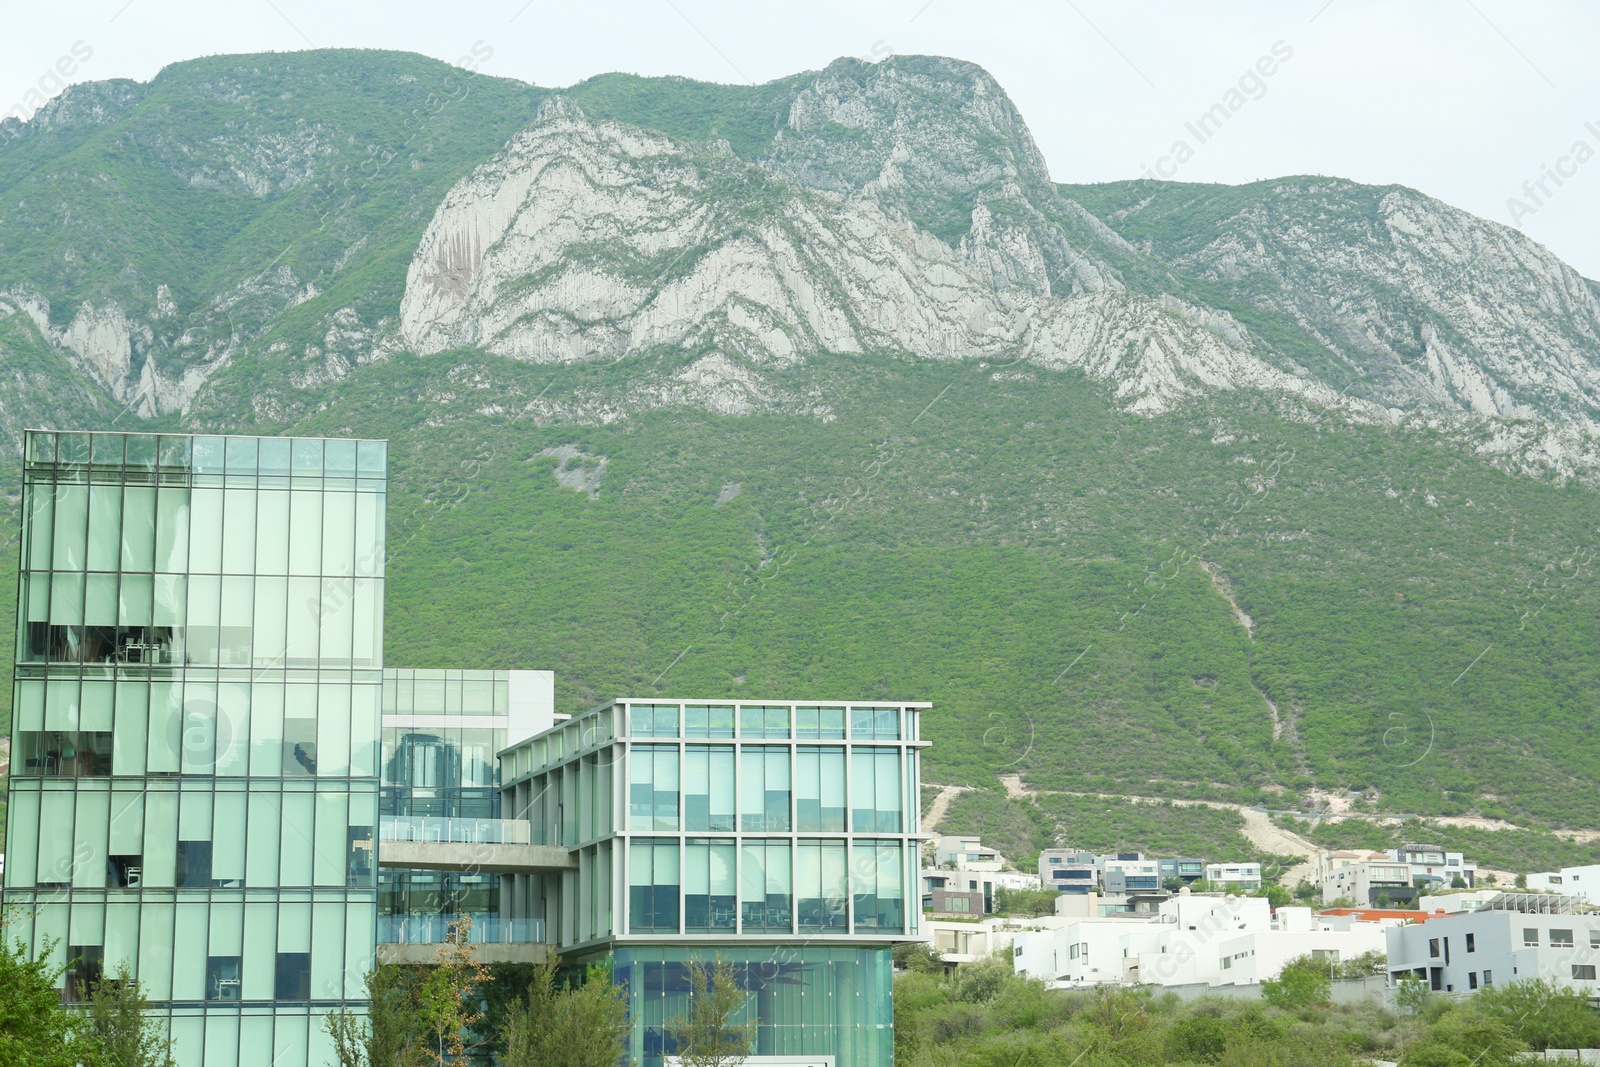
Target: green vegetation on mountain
x=1030, y=562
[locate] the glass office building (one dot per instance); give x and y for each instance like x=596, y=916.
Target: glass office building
x=781, y=837
x=198, y=682
x=441, y=731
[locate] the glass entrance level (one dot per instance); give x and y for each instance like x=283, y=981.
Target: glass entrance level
x=198, y=681
x=832, y=1000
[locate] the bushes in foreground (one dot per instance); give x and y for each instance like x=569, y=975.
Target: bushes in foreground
x=985, y=1016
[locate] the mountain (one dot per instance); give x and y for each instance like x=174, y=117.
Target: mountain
x=1251, y=493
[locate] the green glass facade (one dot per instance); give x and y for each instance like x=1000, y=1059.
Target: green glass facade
x=781, y=837
x=805, y=999
x=441, y=732
x=198, y=681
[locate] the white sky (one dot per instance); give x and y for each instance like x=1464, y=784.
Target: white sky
x=1463, y=99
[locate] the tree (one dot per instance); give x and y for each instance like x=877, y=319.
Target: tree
x=35, y=1030
x=389, y=1035
x=918, y=957
x=1542, y=1013
x=1412, y=994
x=1521, y=881
x=120, y=1025
x=1025, y=902
x=444, y=998
x=585, y=1026
x=1366, y=965
x=1468, y=1038
x=1277, y=896
x=1303, y=982
x=706, y=1034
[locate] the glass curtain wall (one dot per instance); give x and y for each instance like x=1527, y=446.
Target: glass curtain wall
x=806, y=1000
x=442, y=730
x=197, y=687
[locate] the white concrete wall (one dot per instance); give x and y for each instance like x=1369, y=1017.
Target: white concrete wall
x=532, y=704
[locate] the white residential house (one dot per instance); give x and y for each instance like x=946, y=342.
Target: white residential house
x=948, y=892
x=1371, y=884
x=968, y=942
x=1581, y=882
x=1517, y=937
x=1234, y=876
x=1434, y=866
x=966, y=854
x=1253, y=957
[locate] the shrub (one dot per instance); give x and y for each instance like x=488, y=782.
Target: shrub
x=1302, y=983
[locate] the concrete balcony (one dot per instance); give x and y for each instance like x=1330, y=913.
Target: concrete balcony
x=418, y=938
x=497, y=846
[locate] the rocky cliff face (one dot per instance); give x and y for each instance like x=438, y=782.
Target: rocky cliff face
x=895, y=208
x=599, y=241
x=1403, y=299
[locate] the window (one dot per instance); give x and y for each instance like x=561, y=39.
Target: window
x=1472, y=979
x=194, y=865
x=1530, y=937
x=763, y=723
x=1472, y=942
x=1583, y=972
x=1594, y=938
x=819, y=790
x=708, y=720
x=1072, y=952
x=879, y=891
x=1433, y=947
x=819, y=724
x=1560, y=938
x=765, y=886
x=653, y=720
x=821, y=886
x=127, y=872
x=68, y=753
x=653, y=886
x=653, y=787
x=222, y=978
x=1488, y=978
x=875, y=790
x=708, y=788
x=954, y=904
x=293, y=976
x=1227, y=963
x=875, y=724
x=709, y=885
x=764, y=790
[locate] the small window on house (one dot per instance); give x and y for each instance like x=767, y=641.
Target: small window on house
x=1472, y=942
x=1072, y=953
x=1488, y=978
x=1472, y=979
x=1433, y=947
x=1530, y=937
x=1583, y=972
x=1560, y=938
x=1594, y=938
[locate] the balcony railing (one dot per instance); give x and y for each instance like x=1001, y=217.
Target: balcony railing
x=456, y=831
x=437, y=929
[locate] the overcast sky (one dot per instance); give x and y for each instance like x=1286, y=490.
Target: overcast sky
x=1466, y=100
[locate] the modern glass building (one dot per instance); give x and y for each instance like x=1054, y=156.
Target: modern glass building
x=781, y=837
x=198, y=682
x=442, y=732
